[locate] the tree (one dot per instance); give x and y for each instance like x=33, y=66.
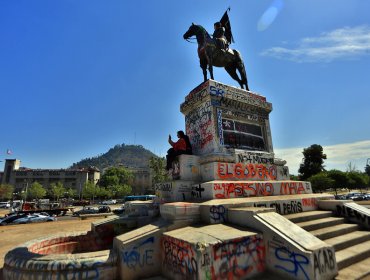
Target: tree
x=57, y=190
x=90, y=190
x=312, y=162
x=116, y=176
x=367, y=169
x=158, y=166
x=357, y=180
x=71, y=193
x=340, y=179
x=120, y=190
x=321, y=181
x=6, y=192
x=36, y=191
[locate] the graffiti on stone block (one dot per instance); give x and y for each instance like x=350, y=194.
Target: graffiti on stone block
x=324, y=261
x=256, y=158
x=283, y=207
x=219, y=124
x=195, y=96
x=197, y=191
x=140, y=255
x=249, y=189
x=217, y=214
x=354, y=215
x=164, y=187
x=292, y=188
x=234, y=190
x=199, y=126
x=238, y=258
x=179, y=258
x=253, y=114
x=309, y=202
x=246, y=171
x=65, y=270
x=292, y=262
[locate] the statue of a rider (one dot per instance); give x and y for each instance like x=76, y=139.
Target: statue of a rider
x=219, y=37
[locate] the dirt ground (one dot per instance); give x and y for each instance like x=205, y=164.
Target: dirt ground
x=13, y=235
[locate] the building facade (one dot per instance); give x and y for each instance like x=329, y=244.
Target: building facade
x=142, y=181
x=22, y=177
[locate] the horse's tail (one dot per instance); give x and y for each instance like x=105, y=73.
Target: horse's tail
x=241, y=68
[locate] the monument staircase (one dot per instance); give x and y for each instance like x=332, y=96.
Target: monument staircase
x=230, y=211
x=351, y=243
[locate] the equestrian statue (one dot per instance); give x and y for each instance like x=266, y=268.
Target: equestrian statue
x=215, y=51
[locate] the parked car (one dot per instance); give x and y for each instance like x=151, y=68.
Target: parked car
x=119, y=210
x=354, y=195
x=11, y=218
x=109, y=201
x=92, y=210
x=5, y=204
x=104, y=209
x=86, y=210
x=35, y=218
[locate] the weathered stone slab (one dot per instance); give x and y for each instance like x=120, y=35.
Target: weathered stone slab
x=290, y=250
x=186, y=168
x=240, y=189
x=218, y=116
x=200, y=253
x=174, y=191
x=180, y=210
x=355, y=213
x=216, y=210
x=139, y=250
x=243, y=171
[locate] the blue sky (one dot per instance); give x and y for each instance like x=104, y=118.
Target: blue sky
x=78, y=77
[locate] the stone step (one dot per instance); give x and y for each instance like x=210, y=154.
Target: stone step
x=325, y=233
x=351, y=255
x=344, y=241
x=356, y=271
x=321, y=223
x=308, y=216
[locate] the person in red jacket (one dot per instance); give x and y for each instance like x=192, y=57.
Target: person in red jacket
x=182, y=146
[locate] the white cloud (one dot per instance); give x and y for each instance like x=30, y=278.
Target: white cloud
x=338, y=156
x=347, y=42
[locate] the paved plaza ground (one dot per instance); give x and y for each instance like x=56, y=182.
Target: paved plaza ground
x=13, y=235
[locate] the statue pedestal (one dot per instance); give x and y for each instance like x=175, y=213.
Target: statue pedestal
x=233, y=156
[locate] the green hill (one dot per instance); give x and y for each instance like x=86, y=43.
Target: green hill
x=126, y=155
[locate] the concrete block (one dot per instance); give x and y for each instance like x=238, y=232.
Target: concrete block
x=139, y=253
x=331, y=204
x=216, y=210
x=290, y=251
x=239, y=189
x=355, y=213
x=180, y=211
x=174, y=191
x=242, y=171
x=186, y=168
x=197, y=252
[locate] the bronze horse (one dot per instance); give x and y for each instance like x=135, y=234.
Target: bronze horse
x=210, y=55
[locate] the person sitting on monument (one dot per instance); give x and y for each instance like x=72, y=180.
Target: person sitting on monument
x=182, y=146
x=219, y=37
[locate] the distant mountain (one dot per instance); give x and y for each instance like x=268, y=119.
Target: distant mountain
x=126, y=155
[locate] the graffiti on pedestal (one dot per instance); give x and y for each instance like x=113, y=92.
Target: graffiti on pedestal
x=200, y=127
x=246, y=189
